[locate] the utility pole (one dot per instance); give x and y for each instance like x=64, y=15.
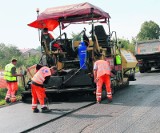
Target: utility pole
x=37, y=10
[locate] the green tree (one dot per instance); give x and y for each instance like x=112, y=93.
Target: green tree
x=123, y=43
x=7, y=52
x=38, y=48
x=74, y=35
x=32, y=60
x=149, y=30
x=126, y=44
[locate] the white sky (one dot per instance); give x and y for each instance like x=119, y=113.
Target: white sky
x=126, y=18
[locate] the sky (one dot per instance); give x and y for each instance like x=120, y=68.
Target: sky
x=126, y=18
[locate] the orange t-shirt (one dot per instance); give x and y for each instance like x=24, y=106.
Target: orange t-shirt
x=39, y=77
x=102, y=67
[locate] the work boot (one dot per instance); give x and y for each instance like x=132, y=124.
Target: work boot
x=8, y=100
x=35, y=110
x=45, y=110
x=109, y=99
x=13, y=99
x=98, y=101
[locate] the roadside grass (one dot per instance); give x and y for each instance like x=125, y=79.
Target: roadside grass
x=3, y=92
x=2, y=96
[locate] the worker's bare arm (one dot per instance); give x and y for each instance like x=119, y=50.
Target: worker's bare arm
x=17, y=75
x=95, y=75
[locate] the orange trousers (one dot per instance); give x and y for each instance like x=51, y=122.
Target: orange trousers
x=12, y=88
x=106, y=80
x=38, y=94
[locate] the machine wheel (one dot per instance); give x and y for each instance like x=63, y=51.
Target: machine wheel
x=113, y=86
x=104, y=93
x=26, y=98
x=113, y=90
x=127, y=83
x=142, y=69
x=148, y=68
x=132, y=77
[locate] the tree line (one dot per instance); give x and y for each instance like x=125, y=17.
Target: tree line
x=149, y=31
x=7, y=52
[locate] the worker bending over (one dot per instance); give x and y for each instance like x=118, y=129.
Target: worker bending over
x=10, y=75
x=102, y=74
x=37, y=86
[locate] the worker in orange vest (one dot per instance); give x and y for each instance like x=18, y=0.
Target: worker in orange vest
x=37, y=86
x=102, y=74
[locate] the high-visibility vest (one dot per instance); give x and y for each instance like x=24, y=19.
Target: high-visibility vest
x=7, y=73
x=39, y=77
x=118, y=60
x=102, y=67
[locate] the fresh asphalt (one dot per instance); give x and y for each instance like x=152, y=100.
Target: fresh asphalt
x=135, y=109
x=20, y=118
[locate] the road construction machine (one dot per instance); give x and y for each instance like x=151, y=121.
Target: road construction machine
x=74, y=58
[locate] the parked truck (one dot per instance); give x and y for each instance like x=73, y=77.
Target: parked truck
x=148, y=55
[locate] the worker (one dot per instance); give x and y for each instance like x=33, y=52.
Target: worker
x=37, y=86
x=119, y=67
x=86, y=39
x=47, y=38
x=102, y=74
x=118, y=59
x=10, y=75
x=45, y=32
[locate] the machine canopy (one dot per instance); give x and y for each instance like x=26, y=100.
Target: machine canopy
x=71, y=13
x=82, y=10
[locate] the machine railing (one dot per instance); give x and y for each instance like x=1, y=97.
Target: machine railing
x=50, y=44
x=82, y=32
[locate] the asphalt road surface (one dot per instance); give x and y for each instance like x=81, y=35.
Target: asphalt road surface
x=135, y=109
x=20, y=118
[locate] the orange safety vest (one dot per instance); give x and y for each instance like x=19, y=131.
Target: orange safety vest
x=39, y=77
x=102, y=67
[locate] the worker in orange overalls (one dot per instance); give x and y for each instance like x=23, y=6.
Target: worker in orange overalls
x=38, y=91
x=102, y=74
x=10, y=75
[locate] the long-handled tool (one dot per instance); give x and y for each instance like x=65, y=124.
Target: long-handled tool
x=23, y=72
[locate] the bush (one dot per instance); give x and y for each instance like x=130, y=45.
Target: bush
x=2, y=96
x=2, y=93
